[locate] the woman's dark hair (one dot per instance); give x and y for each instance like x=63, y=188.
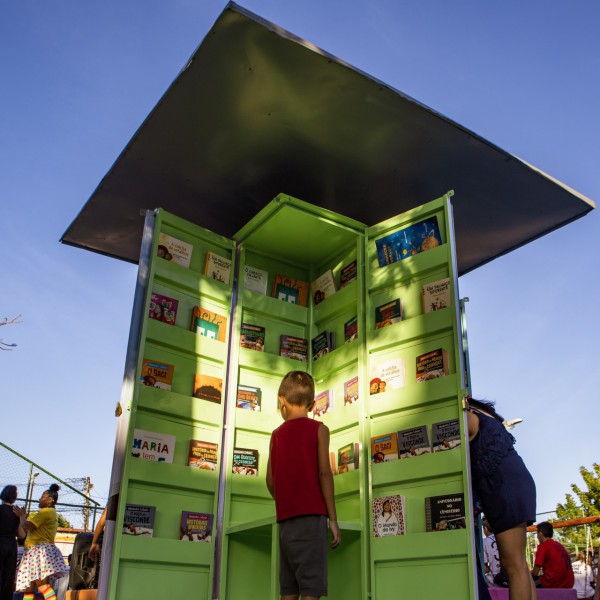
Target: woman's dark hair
x=9, y=494
x=486, y=406
x=52, y=492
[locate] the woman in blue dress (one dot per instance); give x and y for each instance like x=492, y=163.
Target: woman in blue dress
x=505, y=490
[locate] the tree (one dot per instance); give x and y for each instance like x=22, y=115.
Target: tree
x=586, y=505
x=6, y=321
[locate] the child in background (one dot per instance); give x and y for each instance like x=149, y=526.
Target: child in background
x=303, y=491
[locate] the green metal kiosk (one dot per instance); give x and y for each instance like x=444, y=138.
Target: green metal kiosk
x=255, y=115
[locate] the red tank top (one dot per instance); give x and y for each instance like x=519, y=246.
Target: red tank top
x=294, y=464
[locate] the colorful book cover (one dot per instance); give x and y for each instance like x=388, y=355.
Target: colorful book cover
x=208, y=388
x=348, y=274
x=323, y=287
x=387, y=375
x=252, y=337
x=217, y=267
x=323, y=403
x=432, y=365
x=436, y=295
x=139, y=520
x=445, y=435
x=351, y=391
x=445, y=513
x=203, y=455
x=389, y=516
x=414, y=442
x=255, y=280
x=196, y=527
x=321, y=345
x=348, y=458
x=150, y=445
x=174, y=250
x=384, y=448
x=248, y=397
x=409, y=241
x=388, y=314
x=293, y=347
x=163, y=308
x=209, y=324
x=351, y=330
x=245, y=462
x=290, y=290
x=157, y=374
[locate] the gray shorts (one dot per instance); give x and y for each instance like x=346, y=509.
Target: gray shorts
x=303, y=544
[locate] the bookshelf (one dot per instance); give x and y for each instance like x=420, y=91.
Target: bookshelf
x=300, y=241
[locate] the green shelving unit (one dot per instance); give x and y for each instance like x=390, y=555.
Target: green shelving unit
x=299, y=240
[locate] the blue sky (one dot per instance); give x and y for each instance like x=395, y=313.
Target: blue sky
x=79, y=78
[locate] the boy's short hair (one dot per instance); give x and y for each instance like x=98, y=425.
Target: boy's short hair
x=298, y=388
x=545, y=529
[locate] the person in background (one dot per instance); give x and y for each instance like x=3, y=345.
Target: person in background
x=584, y=577
x=41, y=558
x=506, y=491
x=10, y=530
x=300, y=480
x=552, y=560
x=491, y=558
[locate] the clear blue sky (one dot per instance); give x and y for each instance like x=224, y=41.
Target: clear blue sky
x=78, y=78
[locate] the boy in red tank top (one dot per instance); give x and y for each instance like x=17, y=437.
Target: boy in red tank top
x=300, y=480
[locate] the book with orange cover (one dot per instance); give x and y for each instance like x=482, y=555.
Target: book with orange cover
x=208, y=323
x=208, y=387
x=290, y=290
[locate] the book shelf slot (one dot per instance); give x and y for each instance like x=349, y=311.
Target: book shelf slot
x=407, y=471
x=342, y=417
x=248, y=486
x=274, y=308
x=415, y=546
x=168, y=552
x=347, y=483
x=177, y=477
x=251, y=420
x=336, y=360
x=268, y=363
x=335, y=304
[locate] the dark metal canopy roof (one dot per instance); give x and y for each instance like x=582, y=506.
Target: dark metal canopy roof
x=258, y=111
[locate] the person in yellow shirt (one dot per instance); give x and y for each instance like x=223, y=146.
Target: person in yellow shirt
x=41, y=558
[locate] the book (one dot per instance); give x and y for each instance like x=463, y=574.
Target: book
x=162, y=308
x=389, y=516
x=290, y=290
x=196, y=526
x=248, y=397
x=209, y=324
x=384, y=448
x=388, y=314
x=208, y=388
x=351, y=391
x=217, y=267
x=348, y=458
x=322, y=344
x=203, y=455
x=348, y=274
x=245, y=462
x=406, y=242
x=445, y=435
x=149, y=445
x=323, y=404
x=432, y=365
x=139, y=520
x=387, y=375
x=255, y=280
x=445, y=513
x=293, y=347
x=252, y=337
x=323, y=287
x=157, y=374
x=351, y=330
x=174, y=250
x=436, y=295
x=414, y=441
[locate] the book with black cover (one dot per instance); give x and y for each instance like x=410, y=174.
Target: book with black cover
x=139, y=520
x=245, y=462
x=414, y=442
x=445, y=513
x=293, y=347
x=248, y=397
x=445, y=435
x=252, y=337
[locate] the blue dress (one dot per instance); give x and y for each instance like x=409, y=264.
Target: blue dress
x=501, y=481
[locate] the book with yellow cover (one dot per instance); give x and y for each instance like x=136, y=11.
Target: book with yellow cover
x=157, y=374
x=217, y=267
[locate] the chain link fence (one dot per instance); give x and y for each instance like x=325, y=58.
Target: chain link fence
x=75, y=508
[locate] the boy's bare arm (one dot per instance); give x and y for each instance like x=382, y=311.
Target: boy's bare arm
x=326, y=483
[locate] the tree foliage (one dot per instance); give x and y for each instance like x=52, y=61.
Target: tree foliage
x=582, y=503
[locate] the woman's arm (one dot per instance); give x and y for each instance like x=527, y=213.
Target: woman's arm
x=24, y=524
x=94, y=547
